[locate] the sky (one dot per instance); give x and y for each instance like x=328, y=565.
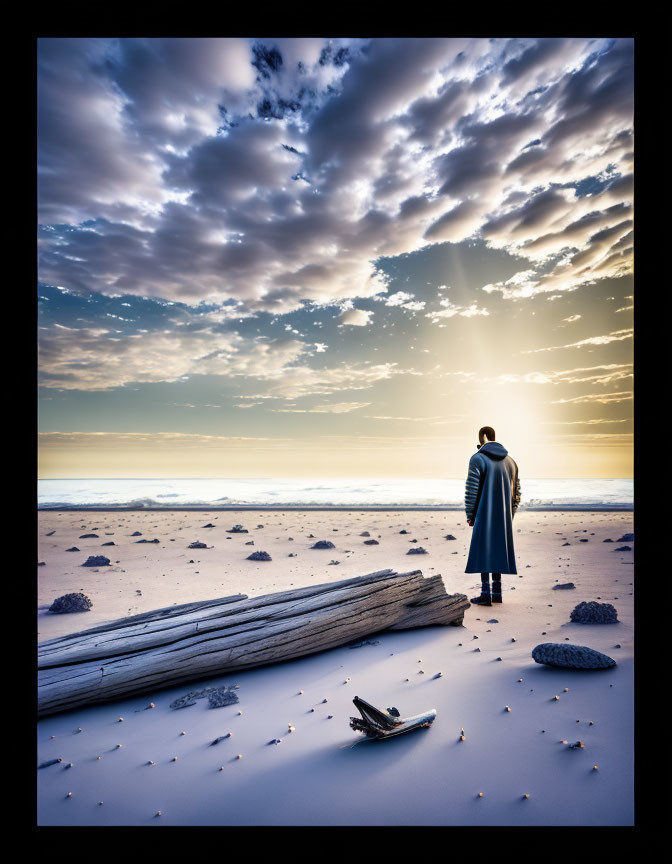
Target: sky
x=334, y=257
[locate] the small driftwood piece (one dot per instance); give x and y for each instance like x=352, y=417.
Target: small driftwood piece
x=385, y=724
x=212, y=637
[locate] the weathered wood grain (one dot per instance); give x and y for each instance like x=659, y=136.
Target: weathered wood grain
x=195, y=640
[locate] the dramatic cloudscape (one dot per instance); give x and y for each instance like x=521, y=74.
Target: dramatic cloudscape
x=273, y=257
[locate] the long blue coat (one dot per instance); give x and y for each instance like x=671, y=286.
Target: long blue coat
x=492, y=496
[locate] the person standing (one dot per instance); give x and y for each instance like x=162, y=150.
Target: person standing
x=492, y=496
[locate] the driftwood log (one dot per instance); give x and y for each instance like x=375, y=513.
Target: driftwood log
x=197, y=640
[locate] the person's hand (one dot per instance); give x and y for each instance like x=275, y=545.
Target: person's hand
x=470, y=523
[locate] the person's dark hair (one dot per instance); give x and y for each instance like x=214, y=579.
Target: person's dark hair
x=486, y=431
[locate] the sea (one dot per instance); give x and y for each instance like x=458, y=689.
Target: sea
x=227, y=493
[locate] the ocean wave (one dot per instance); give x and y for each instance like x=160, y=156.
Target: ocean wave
x=338, y=492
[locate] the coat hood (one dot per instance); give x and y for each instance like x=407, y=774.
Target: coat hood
x=494, y=450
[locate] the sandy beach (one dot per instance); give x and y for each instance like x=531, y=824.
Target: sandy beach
x=315, y=776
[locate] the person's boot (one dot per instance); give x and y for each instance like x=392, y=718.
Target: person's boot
x=496, y=587
x=484, y=599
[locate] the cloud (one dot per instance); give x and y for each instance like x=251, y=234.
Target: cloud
x=614, y=336
x=295, y=381
x=274, y=172
x=356, y=317
x=601, y=398
x=333, y=408
x=122, y=440
x=98, y=359
x=451, y=309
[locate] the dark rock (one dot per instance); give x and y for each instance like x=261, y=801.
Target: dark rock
x=608, y=540
x=623, y=549
x=197, y=545
x=259, y=556
x=136, y=534
x=110, y=543
x=566, y=586
x=594, y=613
x=450, y=537
x=72, y=549
x=365, y=534
x=566, y=544
x=190, y=698
x=237, y=529
x=218, y=694
x=571, y=656
x=182, y=702
x=71, y=603
x=96, y=561
x=418, y=550
x=50, y=533
x=583, y=540
x=41, y=563
x=218, y=697
x=323, y=544
x=626, y=538
x=147, y=541
x=404, y=531
x=209, y=525
x=87, y=536
x=371, y=543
